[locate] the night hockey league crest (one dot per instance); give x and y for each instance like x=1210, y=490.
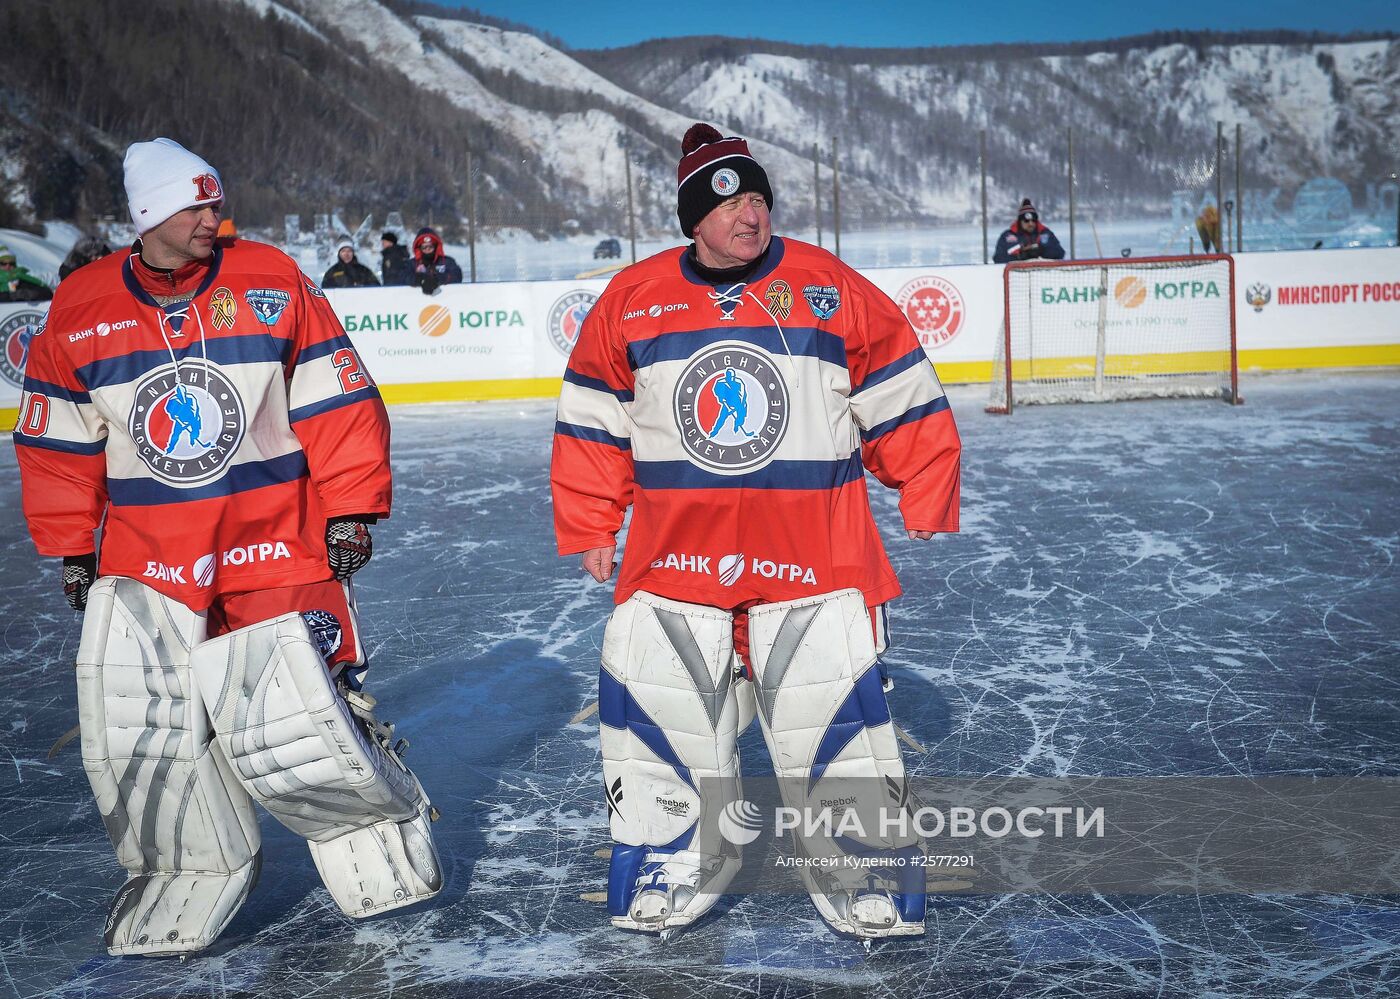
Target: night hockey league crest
x=731, y=407
x=566, y=319
x=16, y=330
x=267, y=303
x=823, y=300
x=187, y=429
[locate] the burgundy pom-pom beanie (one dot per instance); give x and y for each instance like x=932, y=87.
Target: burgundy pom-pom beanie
x=714, y=168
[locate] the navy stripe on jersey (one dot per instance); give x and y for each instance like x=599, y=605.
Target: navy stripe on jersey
x=55, y=391
x=913, y=415
x=333, y=403
x=67, y=447
x=238, y=479
x=323, y=349
x=774, y=475
x=598, y=385
x=244, y=349
x=592, y=434
x=802, y=341
x=898, y=366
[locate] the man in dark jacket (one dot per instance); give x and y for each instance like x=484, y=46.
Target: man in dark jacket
x=1027, y=239
x=395, y=268
x=431, y=267
x=347, y=272
x=17, y=284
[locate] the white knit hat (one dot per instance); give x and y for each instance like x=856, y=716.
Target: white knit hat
x=162, y=178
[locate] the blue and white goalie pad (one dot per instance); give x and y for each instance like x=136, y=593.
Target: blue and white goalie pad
x=181, y=824
x=822, y=703
x=671, y=709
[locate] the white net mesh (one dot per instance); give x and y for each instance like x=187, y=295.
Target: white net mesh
x=1093, y=331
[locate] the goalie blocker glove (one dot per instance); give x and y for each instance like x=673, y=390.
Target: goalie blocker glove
x=348, y=545
x=79, y=573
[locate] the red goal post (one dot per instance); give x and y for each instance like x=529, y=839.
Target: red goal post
x=1119, y=328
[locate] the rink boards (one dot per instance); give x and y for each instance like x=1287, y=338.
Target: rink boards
x=1306, y=309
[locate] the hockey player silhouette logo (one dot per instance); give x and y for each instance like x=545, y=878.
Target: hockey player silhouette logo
x=16, y=330
x=186, y=428
x=731, y=407
x=566, y=318
x=183, y=410
x=731, y=395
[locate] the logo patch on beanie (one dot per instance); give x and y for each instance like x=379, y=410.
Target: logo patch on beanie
x=725, y=182
x=206, y=188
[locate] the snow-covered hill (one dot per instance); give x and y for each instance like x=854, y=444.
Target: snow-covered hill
x=549, y=128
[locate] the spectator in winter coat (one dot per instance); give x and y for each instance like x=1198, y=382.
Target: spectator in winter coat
x=1208, y=226
x=1027, y=239
x=85, y=251
x=395, y=268
x=17, y=284
x=347, y=272
x=431, y=267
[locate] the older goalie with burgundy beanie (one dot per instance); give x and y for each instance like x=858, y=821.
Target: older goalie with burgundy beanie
x=733, y=392
x=220, y=433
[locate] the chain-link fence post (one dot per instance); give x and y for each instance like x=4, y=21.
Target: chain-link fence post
x=1069, y=135
x=835, y=199
x=471, y=215
x=982, y=167
x=1219, y=182
x=1239, y=191
x=631, y=218
x=817, y=191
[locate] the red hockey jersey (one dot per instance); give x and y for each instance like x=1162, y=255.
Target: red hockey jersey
x=209, y=440
x=738, y=421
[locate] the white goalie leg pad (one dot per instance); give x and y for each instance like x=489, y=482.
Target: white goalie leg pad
x=181, y=825
x=299, y=749
x=669, y=713
x=827, y=724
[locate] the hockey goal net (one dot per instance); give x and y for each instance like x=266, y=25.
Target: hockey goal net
x=1098, y=330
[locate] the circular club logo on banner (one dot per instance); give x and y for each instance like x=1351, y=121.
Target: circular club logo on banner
x=186, y=431
x=731, y=407
x=934, y=308
x=725, y=182
x=566, y=319
x=16, y=330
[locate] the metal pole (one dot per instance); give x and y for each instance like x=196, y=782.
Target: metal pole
x=631, y=219
x=1239, y=196
x=471, y=215
x=1219, y=181
x=1069, y=132
x=982, y=166
x=835, y=199
x=817, y=190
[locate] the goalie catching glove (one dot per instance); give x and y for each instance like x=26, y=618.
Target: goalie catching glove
x=348, y=545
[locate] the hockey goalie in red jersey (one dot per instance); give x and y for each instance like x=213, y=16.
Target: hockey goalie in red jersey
x=203, y=410
x=734, y=393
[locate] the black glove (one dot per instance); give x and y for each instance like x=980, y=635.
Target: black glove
x=430, y=281
x=348, y=545
x=79, y=573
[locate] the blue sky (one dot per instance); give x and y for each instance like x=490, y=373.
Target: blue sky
x=933, y=22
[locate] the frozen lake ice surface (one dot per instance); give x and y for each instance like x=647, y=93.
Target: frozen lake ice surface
x=1144, y=589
